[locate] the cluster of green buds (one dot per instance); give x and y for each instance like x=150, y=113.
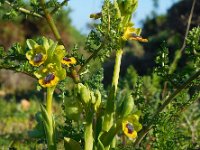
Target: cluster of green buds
x=49, y=57
x=88, y=97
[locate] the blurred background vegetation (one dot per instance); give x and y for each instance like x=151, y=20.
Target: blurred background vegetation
x=18, y=101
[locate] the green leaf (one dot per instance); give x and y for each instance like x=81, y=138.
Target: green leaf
x=38, y=131
x=71, y=144
x=51, y=50
x=31, y=43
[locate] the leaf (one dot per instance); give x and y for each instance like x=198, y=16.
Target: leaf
x=51, y=50
x=38, y=131
x=71, y=144
x=31, y=43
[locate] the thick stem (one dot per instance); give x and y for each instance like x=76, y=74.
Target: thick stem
x=110, y=108
x=49, y=121
x=49, y=99
x=115, y=78
x=117, y=69
x=88, y=133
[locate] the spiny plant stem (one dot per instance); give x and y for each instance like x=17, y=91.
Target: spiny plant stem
x=25, y=11
x=161, y=108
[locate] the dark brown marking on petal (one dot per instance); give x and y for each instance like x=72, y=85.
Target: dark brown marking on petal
x=38, y=58
x=135, y=35
x=67, y=59
x=130, y=128
x=49, y=78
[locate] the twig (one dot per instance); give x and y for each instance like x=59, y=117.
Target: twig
x=23, y=10
x=61, y=5
x=51, y=23
x=188, y=25
x=179, y=53
x=161, y=108
x=92, y=56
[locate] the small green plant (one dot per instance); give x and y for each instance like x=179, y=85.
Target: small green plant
x=98, y=118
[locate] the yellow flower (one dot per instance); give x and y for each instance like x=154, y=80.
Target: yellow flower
x=128, y=129
x=133, y=34
x=131, y=125
x=49, y=80
x=68, y=61
x=36, y=56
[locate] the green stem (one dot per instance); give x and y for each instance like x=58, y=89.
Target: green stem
x=161, y=108
x=51, y=22
x=110, y=107
x=117, y=69
x=49, y=100
x=50, y=125
x=23, y=10
x=115, y=78
x=88, y=133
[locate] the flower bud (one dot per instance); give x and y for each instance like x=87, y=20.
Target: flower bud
x=127, y=105
x=84, y=93
x=98, y=100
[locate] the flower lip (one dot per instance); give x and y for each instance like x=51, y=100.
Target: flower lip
x=49, y=78
x=38, y=58
x=130, y=128
x=68, y=61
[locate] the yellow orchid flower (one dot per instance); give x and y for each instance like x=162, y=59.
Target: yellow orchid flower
x=131, y=125
x=128, y=129
x=49, y=80
x=133, y=34
x=68, y=61
x=37, y=56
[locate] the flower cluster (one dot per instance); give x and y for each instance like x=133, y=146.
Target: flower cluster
x=49, y=57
